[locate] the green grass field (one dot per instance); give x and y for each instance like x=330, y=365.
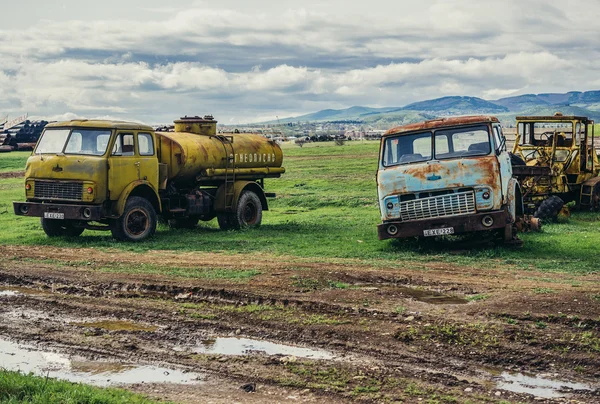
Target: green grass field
x=19, y=388
x=326, y=208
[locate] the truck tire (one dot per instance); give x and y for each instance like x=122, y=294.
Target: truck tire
x=184, y=222
x=138, y=221
x=60, y=228
x=549, y=208
x=248, y=213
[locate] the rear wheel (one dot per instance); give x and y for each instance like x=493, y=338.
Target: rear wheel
x=248, y=213
x=138, y=221
x=60, y=228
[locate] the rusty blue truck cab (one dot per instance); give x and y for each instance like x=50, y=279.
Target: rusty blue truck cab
x=447, y=176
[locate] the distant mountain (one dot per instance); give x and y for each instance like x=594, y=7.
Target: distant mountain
x=509, y=119
x=352, y=113
x=456, y=105
x=572, y=103
x=587, y=99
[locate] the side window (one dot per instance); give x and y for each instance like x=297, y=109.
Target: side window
x=124, y=145
x=498, y=138
x=145, y=144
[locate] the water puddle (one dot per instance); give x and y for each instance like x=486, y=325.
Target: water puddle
x=117, y=325
x=430, y=297
x=20, y=290
x=5, y=293
x=27, y=359
x=246, y=346
x=538, y=386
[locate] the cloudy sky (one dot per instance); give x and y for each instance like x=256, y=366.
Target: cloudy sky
x=245, y=61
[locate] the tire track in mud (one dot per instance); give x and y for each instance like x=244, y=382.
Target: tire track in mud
x=432, y=345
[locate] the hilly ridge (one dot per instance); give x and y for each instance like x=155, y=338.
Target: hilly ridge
x=572, y=103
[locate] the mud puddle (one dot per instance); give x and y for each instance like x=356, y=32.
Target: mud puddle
x=24, y=358
x=538, y=386
x=246, y=346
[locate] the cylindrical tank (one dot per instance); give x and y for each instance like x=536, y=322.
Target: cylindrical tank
x=196, y=150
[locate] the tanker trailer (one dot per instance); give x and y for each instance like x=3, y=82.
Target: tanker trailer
x=121, y=176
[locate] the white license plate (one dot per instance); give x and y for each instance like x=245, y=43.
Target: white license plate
x=53, y=215
x=438, y=232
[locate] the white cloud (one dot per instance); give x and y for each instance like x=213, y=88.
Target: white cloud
x=313, y=56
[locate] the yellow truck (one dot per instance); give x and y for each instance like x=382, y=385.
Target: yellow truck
x=120, y=176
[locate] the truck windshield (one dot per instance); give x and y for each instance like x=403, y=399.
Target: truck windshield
x=91, y=142
x=449, y=144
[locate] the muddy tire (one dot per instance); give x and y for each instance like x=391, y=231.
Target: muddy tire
x=549, y=208
x=137, y=223
x=60, y=228
x=184, y=223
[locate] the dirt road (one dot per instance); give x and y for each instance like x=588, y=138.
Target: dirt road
x=423, y=332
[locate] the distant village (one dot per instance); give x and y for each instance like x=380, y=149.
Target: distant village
x=310, y=132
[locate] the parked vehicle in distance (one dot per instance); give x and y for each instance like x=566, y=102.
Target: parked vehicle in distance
x=119, y=176
x=447, y=176
x=556, y=162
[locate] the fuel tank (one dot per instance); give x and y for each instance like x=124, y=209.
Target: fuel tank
x=195, y=150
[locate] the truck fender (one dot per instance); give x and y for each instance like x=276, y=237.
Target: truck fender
x=238, y=188
x=514, y=200
x=137, y=188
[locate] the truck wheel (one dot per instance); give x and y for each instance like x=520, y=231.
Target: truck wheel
x=248, y=212
x=60, y=228
x=138, y=221
x=549, y=208
x=184, y=222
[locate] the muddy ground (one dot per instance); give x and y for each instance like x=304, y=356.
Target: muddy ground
x=424, y=332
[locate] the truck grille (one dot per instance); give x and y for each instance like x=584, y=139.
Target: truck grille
x=459, y=203
x=58, y=190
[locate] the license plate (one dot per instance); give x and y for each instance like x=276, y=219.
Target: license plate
x=438, y=232
x=53, y=215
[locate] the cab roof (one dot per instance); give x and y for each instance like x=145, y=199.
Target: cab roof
x=441, y=123
x=553, y=118
x=99, y=123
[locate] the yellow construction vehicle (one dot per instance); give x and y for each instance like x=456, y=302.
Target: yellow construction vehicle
x=556, y=162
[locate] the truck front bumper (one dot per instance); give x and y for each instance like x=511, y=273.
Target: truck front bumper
x=69, y=212
x=459, y=224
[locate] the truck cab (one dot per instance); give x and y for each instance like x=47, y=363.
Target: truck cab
x=447, y=176
x=80, y=171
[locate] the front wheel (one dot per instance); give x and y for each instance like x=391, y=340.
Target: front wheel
x=137, y=222
x=60, y=228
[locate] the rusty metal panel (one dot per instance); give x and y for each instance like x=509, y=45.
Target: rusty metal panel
x=441, y=122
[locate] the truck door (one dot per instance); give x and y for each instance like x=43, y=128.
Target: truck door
x=122, y=167
x=147, y=160
x=503, y=158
